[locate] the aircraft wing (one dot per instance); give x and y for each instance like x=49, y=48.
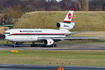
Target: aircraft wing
x=66, y=38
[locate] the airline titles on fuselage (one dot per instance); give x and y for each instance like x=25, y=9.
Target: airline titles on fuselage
x=29, y=31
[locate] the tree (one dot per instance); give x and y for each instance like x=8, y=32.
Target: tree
x=84, y=5
x=12, y=14
x=54, y=8
x=66, y=4
x=77, y=5
x=97, y=5
x=29, y=8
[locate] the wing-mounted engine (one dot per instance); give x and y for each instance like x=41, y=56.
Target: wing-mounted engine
x=63, y=25
x=48, y=42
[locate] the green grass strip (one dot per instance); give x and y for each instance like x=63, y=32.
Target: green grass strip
x=67, y=57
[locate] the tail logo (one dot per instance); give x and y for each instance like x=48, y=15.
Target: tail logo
x=69, y=15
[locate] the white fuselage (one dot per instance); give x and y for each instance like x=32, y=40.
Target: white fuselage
x=32, y=35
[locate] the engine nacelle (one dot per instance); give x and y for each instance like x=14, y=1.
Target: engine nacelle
x=48, y=42
x=62, y=25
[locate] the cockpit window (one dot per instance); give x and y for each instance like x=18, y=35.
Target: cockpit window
x=7, y=33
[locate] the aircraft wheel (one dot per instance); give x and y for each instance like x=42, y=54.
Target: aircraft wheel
x=54, y=45
x=33, y=45
x=36, y=45
x=44, y=45
x=13, y=46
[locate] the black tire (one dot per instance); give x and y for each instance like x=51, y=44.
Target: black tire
x=36, y=45
x=13, y=46
x=33, y=45
x=44, y=45
x=54, y=45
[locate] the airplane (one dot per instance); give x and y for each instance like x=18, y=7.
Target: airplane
x=47, y=36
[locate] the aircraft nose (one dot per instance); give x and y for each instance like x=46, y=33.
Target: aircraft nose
x=3, y=36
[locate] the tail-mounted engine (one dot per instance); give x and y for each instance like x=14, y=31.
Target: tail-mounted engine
x=63, y=25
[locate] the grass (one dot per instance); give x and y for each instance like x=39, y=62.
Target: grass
x=74, y=57
x=3, y=41
x=84, y=20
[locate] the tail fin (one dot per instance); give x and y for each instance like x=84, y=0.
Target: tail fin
x=69, y=16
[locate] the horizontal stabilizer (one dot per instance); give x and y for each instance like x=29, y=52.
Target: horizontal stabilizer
x=78, y=32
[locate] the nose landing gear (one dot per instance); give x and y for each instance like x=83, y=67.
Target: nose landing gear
x=14, y=45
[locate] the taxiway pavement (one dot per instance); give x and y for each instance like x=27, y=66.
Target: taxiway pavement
x=100, y=46
x=45, y=67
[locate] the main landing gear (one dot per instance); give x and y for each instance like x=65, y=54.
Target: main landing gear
x=33, y=45
x=54, y=45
